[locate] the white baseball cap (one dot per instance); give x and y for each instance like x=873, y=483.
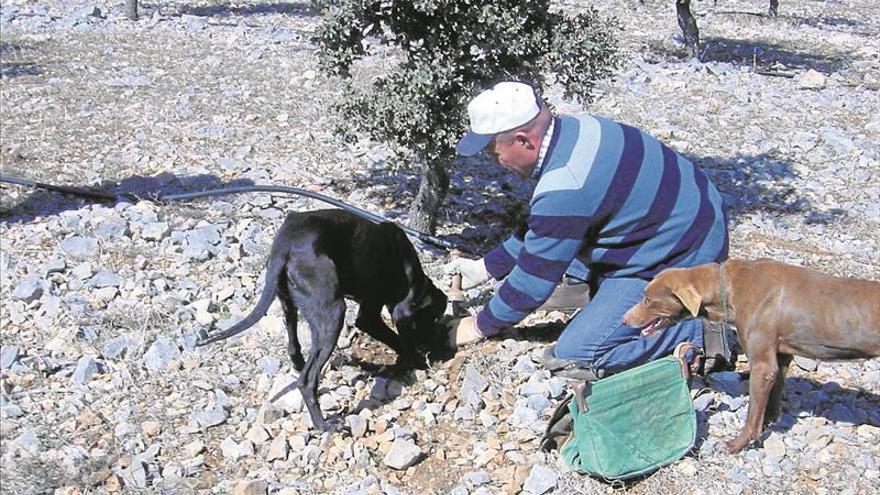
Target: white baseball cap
x=503, y=107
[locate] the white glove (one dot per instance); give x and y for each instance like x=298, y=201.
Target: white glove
x=473, y=272
x=463, y=331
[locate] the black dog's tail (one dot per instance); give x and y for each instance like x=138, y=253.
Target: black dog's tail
x=270, y=289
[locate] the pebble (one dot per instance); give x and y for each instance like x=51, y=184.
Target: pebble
x=251, y=487
x=29, y=289
x=155, y=231
x=403, y=453
x=80, y=247
x=117, y=346
x=774, y=447
x=161, y=354
x=8, y=355
x=85, y=368
x=210, y=417
x=541, y=480
x=105, y=278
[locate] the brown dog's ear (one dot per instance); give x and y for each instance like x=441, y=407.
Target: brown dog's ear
x=690, y=298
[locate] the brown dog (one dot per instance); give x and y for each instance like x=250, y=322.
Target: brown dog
x=779, y=310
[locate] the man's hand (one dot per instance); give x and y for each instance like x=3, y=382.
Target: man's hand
x=463, y=331
x=473, y=272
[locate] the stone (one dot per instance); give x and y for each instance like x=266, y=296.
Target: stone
x=291, y=401
x=155, y=231
x=269, y=413
x=85, y=368
x=251, y=487
x=257, y=434
x=476, y=478
x=811, y=79
x=278, y=449
x=82, y=271
x=80, y=247
x=210, y=417
x=269, y=364
x=161, y=354
x=105, y=278
x=86, y=11
x=150, y=428
x=56, y=265
x=403, y=453
x=357, y=425
x=8, y=355
x=234, y=451
x=116, y=347
x=774, y=447
x=806, y=364
x=194, y=448
x=29, y=289
x=541, y=480
x=111, y=230
x=27, y=441
x=729, y=382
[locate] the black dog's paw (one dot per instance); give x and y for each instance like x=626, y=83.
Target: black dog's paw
x=333, y=425
x=298, y=362
x=409, y=362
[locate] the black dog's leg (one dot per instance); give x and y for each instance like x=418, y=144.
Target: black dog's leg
x=774, y=8
x=291, y=317
x=370, y=322
x=326, y=325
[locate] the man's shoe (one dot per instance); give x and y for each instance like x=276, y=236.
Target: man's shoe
x=570, y=368
x=569, y=296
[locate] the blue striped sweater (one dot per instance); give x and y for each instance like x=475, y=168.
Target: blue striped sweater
x=612, y=200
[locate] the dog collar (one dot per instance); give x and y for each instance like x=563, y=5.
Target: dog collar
x=723, y=290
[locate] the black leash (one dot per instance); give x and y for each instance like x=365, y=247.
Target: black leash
x=167, y=198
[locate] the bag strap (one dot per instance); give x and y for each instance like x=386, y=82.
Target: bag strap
x=680, y=353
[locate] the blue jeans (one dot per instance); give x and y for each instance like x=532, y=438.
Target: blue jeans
x=598, y=335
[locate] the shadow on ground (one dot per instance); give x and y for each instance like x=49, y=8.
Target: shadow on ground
x=40, y=203
x=829, y=400
x=285, y=8
x=12, y=63
x=760, y=55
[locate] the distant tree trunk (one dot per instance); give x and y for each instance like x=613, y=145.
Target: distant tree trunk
x=131, y=9
x=432, y=190
x=688, y=26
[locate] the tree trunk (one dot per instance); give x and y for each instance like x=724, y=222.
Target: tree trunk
x=432, y=190
x=131, y=9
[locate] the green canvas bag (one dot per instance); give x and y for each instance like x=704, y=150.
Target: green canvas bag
x=634, y=422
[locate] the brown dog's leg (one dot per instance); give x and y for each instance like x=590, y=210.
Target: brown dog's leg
x=774, y=403
x=764, y=373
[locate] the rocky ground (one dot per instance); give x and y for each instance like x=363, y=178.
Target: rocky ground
x=103, y=392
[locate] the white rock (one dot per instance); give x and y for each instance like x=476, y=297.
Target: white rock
x=403, y=453
x=541, y=480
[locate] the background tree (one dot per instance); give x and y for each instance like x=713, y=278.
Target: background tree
x=131, y=9
x=448, y=49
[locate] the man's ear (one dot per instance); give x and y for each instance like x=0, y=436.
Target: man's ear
x=690, y=298
x=525, y=140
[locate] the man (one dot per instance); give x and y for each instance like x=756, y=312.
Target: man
x=611, y=207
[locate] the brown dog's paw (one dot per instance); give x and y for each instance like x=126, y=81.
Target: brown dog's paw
x=737, y=444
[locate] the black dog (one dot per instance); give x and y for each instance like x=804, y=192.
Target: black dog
x=320, y=257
